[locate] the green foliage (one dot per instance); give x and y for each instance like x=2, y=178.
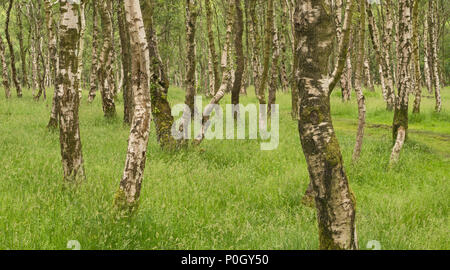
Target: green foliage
x=229, y=195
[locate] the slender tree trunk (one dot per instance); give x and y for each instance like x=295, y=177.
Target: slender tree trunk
x=94, y=60
x=5, y=76
x=382, y=65
x=67, y=80
x=105, y=64
x=54, y=61
x=130, y=186
x=80, y=55
x=191, y=20
x=11, y=51
x=226, y=74
x=212, y=48
x=334, y=200
x=21, y=46
x=387, y=42
x=126, y=64
x=360, y=78
x=433, y=38
x=159, y=84
x=426, y=58
x=283, y=39
x=240, y=65
x=416, y=58
x=294, y=73
x=254, y=33
x=274, y=69
x=268, y=39
x=345, y=79
x=400, y=123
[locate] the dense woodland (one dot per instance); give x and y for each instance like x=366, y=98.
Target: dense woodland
x=127, y=56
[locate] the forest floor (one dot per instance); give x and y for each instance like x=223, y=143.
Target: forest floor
x=226, y=195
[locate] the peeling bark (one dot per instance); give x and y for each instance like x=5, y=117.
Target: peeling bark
x=334, y=200
x=105, y=64
x=130, y=185
x=128, y=110
x=400, y=123
x=67, y=80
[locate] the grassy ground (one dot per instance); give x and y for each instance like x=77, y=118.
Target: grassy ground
x=229, y=194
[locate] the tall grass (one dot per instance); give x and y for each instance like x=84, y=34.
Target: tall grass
x=227, y=194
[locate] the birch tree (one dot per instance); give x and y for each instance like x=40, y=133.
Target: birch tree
x=159, y=83
x=226, y=75
x=67, y=82
x=214, y=60
x=400, y=123
x=94, y=57
x=360, y=77
x=240, y=61
x=11, y=51
x=126, y=64
x=105, y=64
x=334, y=200
x=130, y=185
x=5, y=75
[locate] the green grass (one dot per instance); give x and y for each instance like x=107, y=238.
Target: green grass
x=228, y=194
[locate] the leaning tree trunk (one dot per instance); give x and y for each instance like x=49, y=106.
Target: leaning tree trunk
x=159, y=84
x=360, y=77
x=5, y=76
x=67, y=81
x=416, y=58
x=226, y=74
x=240, y=65
x=334, y=200
x=105, y=63
x=130, y=185
x=94, y=58
x=11, y=51
x=400, y=123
